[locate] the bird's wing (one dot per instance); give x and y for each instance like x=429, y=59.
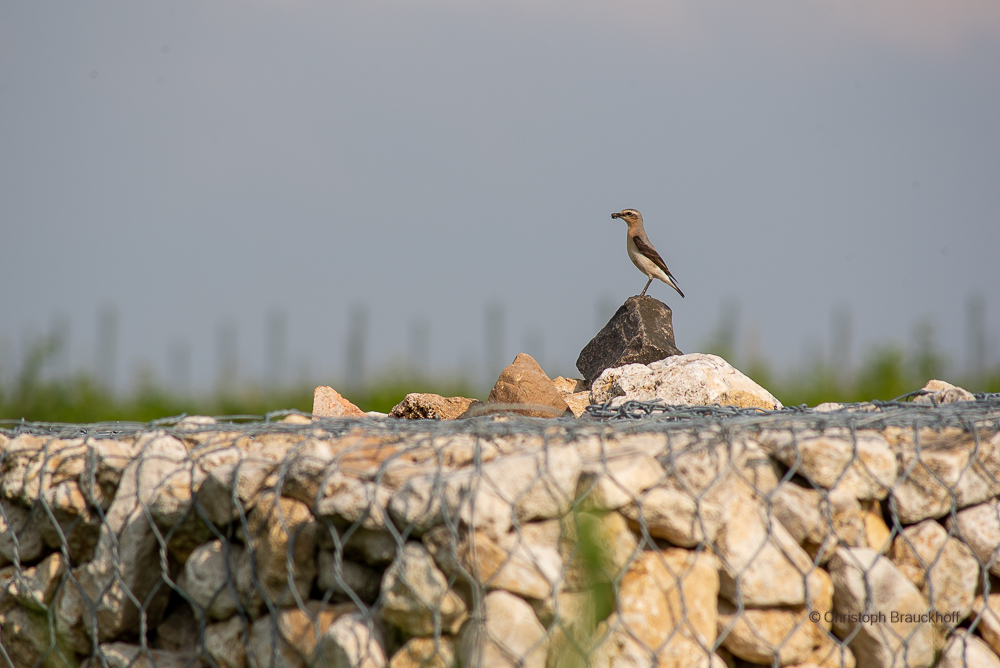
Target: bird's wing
x=646, y=249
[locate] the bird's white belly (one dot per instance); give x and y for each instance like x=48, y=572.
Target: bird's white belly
x=644, y=264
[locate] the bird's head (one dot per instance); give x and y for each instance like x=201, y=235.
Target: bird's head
x=630, y=216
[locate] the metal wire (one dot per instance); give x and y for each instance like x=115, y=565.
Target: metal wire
x=642, y=534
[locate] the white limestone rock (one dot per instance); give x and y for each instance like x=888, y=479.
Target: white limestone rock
x=696, y=379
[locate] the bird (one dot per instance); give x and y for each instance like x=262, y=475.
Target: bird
x=642, y=253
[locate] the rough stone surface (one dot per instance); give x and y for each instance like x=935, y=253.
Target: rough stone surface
x=74, y=521
x=327, y=403
x=943, y=569
x=279, y=526
x=987, y=611
x=362, y=581
x=610, y=484
x=979, y=528
x=37, y=585
x=296, y=632
x=578, y=402
x=762, y=564
x=640, y=332
x=510, y=630
x=965, y=650
x=758, y=635
x=20, y=538
x=946, y=468
x=126, y=561
x=866, y=583
x=860, y=464
x=125, y=655
x=210, y=581
x=416, y=595
x=524, y=388
x=226, y=643
x=517, y=564
x=425, y=653
x=351, y=642
x=674, y=516
x=670, y=596
x=568, y=386
x=940, y=392
x=686, y=380
x=25, y=637
x=425, y=406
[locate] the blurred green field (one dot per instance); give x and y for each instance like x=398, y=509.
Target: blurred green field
x=886, y=372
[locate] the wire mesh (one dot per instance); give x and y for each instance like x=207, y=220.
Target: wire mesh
x=644, y=535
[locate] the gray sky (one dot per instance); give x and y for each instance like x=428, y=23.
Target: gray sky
x=198, y=163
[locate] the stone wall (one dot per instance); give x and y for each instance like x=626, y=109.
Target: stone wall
x=867, y=536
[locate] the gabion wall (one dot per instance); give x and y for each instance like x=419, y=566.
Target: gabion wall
x=866, y=536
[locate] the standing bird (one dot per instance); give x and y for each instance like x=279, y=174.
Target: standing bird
x=642, y=253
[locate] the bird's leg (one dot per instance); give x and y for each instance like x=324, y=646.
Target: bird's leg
x=643, y=293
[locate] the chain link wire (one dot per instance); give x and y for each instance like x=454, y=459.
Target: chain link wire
x=641, y=535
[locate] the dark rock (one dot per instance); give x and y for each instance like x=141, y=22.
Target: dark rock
x=525, y=389
x=640, y=332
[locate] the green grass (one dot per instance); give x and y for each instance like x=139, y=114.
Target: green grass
x=888, y=371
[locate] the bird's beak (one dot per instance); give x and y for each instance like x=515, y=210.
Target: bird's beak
x=616, y=215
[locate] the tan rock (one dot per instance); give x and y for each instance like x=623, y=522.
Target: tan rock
x=525, y=389
x=103, y=468
x=940, y=392
x=568, y=386
x=948, y=467
x=209, y=578
x=226, y=643
x=987, y=612
x=425, y=406
x=328, y=403
x=760, y=635
x=517, y=564
x=868, y=583
x=877, y=534
x=667, y=594
x=125, y=655
x=690, y=380
x=860, y=463
x=416, y=595
x=763, y=566
x=578, y=402
x=75, y=524
x=510, y=636
x=277, y=527
x=618, y=647
x=614, y=482
x=979, y=528
x=803, y=512
x=289, y=638
x=965, y=650
x=36, y=586
x=425, y=653
x=674, y=516
x=943, y=568
x=351, y=641
x=127, y=560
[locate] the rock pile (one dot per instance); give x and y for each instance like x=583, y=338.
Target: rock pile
x=573, y=544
